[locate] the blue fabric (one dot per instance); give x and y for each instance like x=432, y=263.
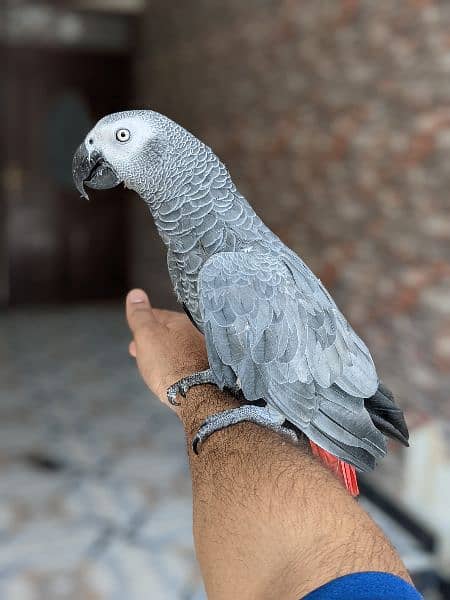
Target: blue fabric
x=372, y=585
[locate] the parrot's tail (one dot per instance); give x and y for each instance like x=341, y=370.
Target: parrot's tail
x=345, y=472
x=386, y=415
x=387, y=418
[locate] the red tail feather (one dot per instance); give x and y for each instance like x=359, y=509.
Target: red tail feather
x=345, y=472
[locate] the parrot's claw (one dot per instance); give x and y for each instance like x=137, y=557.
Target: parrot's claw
x=172, y=394
x=184, y=385
x=180, y=387
x=261, y=415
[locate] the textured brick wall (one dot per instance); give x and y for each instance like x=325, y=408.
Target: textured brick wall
x=334, y=119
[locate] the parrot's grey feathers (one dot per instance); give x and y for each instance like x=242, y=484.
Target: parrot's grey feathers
x=360, y=458
x=224, y=374
x=289, y=345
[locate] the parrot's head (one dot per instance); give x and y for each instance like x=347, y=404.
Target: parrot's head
x=139, y=148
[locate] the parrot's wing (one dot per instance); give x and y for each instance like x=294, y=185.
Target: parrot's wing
x=287, y=343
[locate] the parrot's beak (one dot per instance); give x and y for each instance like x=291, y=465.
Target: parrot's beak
x=91, y=168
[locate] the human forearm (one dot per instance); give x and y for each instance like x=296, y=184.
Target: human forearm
x=269, y=520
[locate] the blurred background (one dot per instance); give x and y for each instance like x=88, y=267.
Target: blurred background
x=334, y=120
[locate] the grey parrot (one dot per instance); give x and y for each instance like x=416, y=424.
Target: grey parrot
x=274, y=336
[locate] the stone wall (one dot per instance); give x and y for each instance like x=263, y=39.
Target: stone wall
x=334, y=119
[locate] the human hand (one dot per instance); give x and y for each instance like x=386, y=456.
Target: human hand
x=165, y=344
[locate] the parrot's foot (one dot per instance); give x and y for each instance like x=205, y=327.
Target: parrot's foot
x=261, y=415
x=184, y=385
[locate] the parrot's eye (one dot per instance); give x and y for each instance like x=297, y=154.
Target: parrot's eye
x=123, y=135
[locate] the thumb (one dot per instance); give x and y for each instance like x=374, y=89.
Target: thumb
x=139, y=311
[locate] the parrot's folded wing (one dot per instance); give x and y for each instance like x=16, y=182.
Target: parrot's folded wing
x=268, y=321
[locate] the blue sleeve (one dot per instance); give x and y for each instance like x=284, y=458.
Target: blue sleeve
x=372, y=585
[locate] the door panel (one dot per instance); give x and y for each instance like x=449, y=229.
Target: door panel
x=58, y=246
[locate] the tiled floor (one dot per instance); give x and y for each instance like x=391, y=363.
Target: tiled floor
x=95, y=499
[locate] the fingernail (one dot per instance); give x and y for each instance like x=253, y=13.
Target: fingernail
x=136, y=296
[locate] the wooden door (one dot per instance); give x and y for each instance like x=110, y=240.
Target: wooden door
x=59, y=247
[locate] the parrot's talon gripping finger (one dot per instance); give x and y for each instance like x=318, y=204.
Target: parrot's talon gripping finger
x=261, y=415
x=186, y=383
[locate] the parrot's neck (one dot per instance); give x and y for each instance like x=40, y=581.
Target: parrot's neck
x=193, y=212
x=183, y=221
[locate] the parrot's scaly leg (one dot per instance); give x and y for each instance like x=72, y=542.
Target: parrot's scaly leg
x=184, y=385
x=261, y=415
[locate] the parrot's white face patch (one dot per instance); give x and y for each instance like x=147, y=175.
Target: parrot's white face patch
x=120, y=141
